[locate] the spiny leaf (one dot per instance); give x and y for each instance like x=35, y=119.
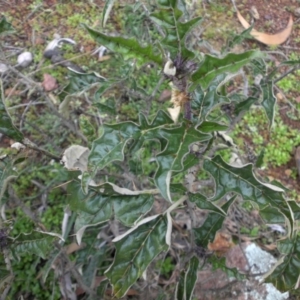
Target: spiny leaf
x=168, y=17
x=269, y=101
x=78, y=82
x=212, y=66
x=244, y=105
x=129, y=48
x=6, y=125
x=187, y=280
x=242, y=181
x=211, y=127
x=171, y=158
x=203, y=103
x=238, y=39
x=34, y=243
x=135, y=251
x=98, y=206
x=286, y=275
x=110, y=146
x=220, y=263
x=212, y=223
x=202, y=202
x=5, y=27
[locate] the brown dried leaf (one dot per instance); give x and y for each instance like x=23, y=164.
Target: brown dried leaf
x=73, y=247
x=49, y=83
x=221, y=244
x=268, y=39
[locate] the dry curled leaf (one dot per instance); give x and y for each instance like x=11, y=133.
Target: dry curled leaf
x=76, y=158
x=221, y=244
x=268, y=39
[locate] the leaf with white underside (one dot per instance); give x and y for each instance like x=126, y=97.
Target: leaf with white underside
x=187, y=280
x=106, y=11
x=212, y=66
x=175, y=141
x=285, y=274
x=241, y=180
x=101, y=202
x=269, y=101
x=76, y=158
x=36, y=243
x=169, y=18
x=135, y=250
x=172, y=157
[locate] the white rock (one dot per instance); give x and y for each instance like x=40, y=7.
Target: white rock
x=17, y=146
x=3, y=68
x=25, y=59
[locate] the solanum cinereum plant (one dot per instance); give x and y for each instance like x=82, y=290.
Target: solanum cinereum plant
x=109, y=185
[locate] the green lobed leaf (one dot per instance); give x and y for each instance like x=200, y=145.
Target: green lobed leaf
x=100, y=203
x=78, y=82
x=212, y=223
x=203, y=103
x=270, y=215
x=290, y=63
x=6, y=125
x=220, y=263
x=295, y=209
x=93, y=264
x=260, y=159
x=107, y=108
x=129, y=48
x=212, y=66
x=110, y=146
x=242, y=181
x=286, y=275
x=207, y=126
x=135, y=251
x=168, y=17
x=172, y=157
x=187, y=280
x=269, y=101
x=202, y=202
x=239, y=38
x=5, y=26
x=36, y=243
x=244, y=105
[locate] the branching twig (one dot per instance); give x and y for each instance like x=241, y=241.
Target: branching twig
x=38, y=86
x=286, y=73
x=33, y=146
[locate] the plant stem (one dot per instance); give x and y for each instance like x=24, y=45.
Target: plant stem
x=33, y=146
